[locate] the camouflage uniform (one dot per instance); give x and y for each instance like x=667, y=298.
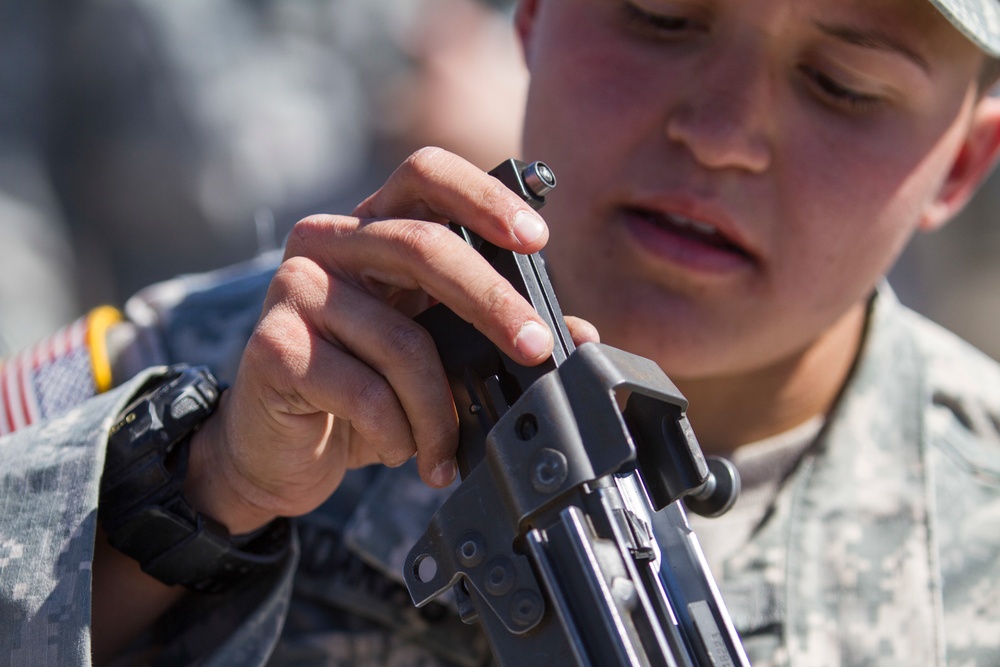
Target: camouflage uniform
x=881, y=547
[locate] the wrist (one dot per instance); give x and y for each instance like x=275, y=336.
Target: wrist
x=215, y=486
x=143, y=505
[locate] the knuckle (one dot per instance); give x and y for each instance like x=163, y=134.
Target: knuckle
x=406, y=342
x=427, y=167
x=275, y=342
x=374, y=403
x=497, y=197
x=424, y=162
x=296, y=277
x=499, y=299
x=372, y=398
x=308, y=233
x=375, y=411
x=423, y=240
x=295, y=269
x=303, y=234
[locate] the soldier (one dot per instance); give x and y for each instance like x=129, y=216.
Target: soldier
x=736, y=177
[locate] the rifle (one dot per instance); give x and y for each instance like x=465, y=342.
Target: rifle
x=567, y=538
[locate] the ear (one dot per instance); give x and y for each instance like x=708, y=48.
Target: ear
x=973, y=163
x=524, y=23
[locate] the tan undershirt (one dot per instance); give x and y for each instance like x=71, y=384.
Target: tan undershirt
x=763, y=465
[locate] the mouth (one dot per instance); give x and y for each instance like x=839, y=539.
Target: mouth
x=689, y=241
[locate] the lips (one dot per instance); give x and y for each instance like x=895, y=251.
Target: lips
x=688, y=241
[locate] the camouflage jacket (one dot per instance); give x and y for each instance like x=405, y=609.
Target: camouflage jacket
x=881, y=548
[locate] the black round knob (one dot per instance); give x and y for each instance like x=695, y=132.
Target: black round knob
x=719, y=492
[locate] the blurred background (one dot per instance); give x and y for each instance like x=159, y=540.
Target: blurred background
x=140, y=139
x=953, y=275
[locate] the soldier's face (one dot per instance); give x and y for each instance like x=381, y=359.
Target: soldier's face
x=736, y=175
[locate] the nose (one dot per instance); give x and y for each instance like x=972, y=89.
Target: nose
x=725, y=112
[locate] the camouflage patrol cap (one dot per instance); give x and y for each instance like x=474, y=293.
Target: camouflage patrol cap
x=979, y=20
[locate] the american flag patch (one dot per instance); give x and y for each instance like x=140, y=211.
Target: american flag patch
x=57, y=373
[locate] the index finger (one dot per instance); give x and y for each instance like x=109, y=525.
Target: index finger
x=435, y=185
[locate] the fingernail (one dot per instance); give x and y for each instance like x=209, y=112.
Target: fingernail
x=444, y=474
x=533, y=340
x=528, y=227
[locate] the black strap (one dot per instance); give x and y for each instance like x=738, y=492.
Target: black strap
x=143, y=508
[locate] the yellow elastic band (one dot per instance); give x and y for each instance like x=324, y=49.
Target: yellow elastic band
x=99, y=320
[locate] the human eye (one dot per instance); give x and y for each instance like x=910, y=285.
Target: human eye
x=658, y=19
x=838, y=95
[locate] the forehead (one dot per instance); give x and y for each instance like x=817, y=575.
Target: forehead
x=917, y=24
x=921, y=17
x=914, y=28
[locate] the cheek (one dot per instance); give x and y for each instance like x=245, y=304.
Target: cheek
x=874, y=194
x=855, y=211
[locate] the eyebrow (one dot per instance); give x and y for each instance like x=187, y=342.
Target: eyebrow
x=873, y=39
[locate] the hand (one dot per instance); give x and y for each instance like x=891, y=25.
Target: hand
x=337, y=374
